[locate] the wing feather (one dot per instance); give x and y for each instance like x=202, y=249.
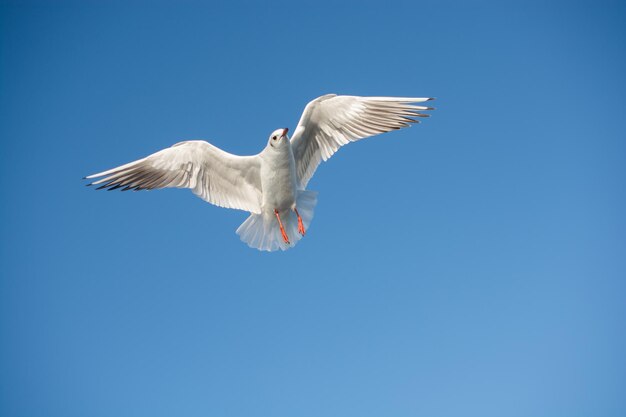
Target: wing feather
x=214, y=175
x=331, y=121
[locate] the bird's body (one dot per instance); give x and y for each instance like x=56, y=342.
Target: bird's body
x=278, y=177
x=272, y=184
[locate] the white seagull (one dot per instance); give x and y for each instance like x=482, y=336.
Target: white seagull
x=272, y=184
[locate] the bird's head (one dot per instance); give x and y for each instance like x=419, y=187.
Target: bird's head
x=278, y=138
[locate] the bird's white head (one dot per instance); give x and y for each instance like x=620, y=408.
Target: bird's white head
x=279, y=138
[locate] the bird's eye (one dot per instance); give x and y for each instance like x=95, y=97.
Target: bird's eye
x=273, y=137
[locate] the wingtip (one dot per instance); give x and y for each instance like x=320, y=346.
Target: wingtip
x=430, y=99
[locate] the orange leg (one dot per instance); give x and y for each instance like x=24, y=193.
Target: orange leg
x=282, y=229
x=300, y=225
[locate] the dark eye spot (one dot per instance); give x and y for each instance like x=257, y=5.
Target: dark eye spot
x=273, y=137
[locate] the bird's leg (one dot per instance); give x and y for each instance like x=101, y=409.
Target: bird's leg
x=300, y=224
x=282, y=229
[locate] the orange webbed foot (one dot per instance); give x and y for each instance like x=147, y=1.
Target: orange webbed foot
x=300, y=224
x=282, y=229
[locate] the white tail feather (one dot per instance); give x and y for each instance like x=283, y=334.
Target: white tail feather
x=261, y=231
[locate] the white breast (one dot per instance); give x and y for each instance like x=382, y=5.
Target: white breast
x=278, y=179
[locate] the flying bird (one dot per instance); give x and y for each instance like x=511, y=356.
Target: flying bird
x=272, y=184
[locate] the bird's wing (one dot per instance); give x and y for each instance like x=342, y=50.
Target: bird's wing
x=214, y=175
x=331, y=121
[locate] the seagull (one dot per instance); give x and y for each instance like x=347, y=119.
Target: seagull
x=272, y=184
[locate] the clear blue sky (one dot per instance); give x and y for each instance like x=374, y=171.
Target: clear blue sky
x=479, y=270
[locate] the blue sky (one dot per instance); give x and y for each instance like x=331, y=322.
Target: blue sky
x=473, y=265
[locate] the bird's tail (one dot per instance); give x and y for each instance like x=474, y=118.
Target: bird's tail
x=262, y=232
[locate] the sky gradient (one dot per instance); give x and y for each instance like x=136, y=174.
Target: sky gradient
x=473, y=265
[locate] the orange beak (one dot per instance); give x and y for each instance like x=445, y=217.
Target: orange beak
x=285, y=130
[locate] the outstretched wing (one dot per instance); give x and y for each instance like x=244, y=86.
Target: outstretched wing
x=214, y=175
x=331, y=121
